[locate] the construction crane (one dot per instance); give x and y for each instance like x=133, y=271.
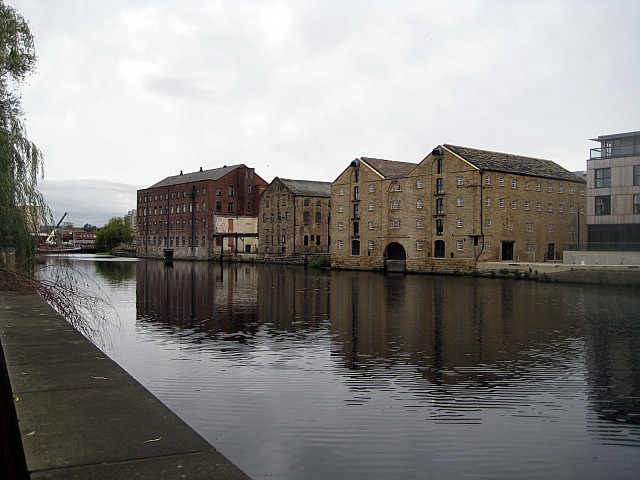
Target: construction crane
x=50, y=238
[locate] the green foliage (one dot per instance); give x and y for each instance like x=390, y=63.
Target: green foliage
x=323, y=261
x=23, y=207
x=116, y=232
x=89, y=228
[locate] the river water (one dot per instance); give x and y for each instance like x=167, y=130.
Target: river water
x=297, y=374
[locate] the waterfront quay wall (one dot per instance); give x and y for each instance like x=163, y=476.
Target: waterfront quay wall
x=80, y=415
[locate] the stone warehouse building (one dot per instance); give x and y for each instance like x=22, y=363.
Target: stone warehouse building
x=200, y=215
x=294, y=218
x=457, y=207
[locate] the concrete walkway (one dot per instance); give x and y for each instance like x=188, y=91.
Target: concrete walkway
x=81, y=416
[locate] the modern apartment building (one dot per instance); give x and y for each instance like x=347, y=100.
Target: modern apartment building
x=457, y=206
x=294, y=217
x=201, y=214
x=613, y=177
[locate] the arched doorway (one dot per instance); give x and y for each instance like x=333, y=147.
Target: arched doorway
x=395, y=258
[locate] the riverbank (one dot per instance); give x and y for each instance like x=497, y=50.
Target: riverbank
x=80, y=415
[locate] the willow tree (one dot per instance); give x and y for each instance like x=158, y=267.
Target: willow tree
x=22, y=207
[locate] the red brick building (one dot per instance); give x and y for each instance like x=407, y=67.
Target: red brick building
x=200, y=215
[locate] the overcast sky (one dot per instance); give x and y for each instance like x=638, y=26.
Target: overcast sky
x=129, y=92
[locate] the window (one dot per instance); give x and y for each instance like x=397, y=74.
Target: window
x=487, y=201
x=570, y=190
x=420, y=224
x=501, y=181
x=232, y=191
x=514, y=204
x=459, y=245
x=460, y=180
x=341, y=191
x=527, y=206
x=372, y=188
x=356, y=192
x=439, y=227
x=549, y=188
x=395, y=205
x=394, y=223
x=509, y=224
x=570, y=208
x=355, y=247
x=318, y=217
x=538, y=206
x=529, y=248
x=439, y=206
x=603, y=205
x=439, y=186
x=487, y=223
x=305, y=240
x=636, y=203
x=526, y=184
x=439, y=166
x=487, y=245
x=356, y=175
x=230, y=207
x=459, y=222
x=218, y=206
x=528, y=227
x=487, y=180
x=370, y=225
x=561, y=189
x=419, y=204
x=395, y=187
x=419, y=245
x=460, y=202
x=305, y=202
x=305, y=217
x=219, y=192
x=370, y=244
x=318, y=202
x=603, y=177
x=636, y=175
x=514, y=183
x=550, y=207
x=339, y=244
x=340, y=226
x=501, y=202
x=340, y=209
x=561, y=208
x=538, y=187
x=317, y=239
x=371, y=207
x=420, y=183
x=552, y=227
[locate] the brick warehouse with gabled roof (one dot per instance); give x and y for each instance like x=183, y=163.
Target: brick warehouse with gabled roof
x=294, y=218
x=200, y=215
x=456, y=207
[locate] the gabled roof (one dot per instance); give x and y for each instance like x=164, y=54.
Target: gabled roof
x=211, y=174
x=389, y=168
x=509, y=163
x=308, y=188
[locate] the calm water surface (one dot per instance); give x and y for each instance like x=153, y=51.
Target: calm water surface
x=297, y=374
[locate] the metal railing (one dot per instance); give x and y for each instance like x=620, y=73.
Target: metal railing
x=603, y=247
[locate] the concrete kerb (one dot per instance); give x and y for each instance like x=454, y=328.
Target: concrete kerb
x=82, y=416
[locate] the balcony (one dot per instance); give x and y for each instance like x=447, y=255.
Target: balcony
x=615, y=151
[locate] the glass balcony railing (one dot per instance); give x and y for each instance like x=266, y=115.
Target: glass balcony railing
x=622, y=151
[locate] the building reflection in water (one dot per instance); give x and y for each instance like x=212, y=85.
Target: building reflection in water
x=466, y=339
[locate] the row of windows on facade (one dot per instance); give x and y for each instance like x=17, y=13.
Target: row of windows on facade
x=169, y=209
x=168, y=241
x=219, y=191
x=314, y=239
x=440, y=186
x=283, y=202
x=439, y=210
x=397, y=223
x=602, y=177
x=306, y=216
x=419, y=246
x=603, y=205
x=163, y=224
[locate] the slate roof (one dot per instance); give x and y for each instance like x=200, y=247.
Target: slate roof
x=389, y=168
x=211, y=174
x=308, y=188
x=509, y=163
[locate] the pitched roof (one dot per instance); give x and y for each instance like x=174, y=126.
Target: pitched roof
x=389, y=168
x=309, y=188
x=211, y=174
x=509, y=163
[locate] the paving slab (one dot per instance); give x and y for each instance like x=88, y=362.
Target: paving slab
x=81, y=416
